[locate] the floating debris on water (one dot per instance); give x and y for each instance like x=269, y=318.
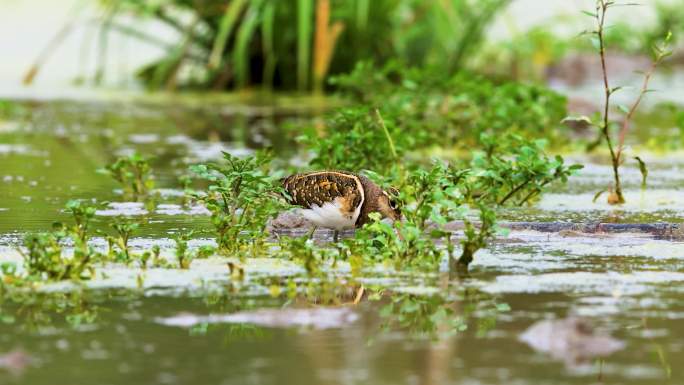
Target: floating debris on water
x=571, y=340
x=15, y=361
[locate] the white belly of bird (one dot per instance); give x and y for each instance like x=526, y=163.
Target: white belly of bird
x=329, y=216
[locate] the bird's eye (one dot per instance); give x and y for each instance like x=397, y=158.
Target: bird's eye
x=393, y=204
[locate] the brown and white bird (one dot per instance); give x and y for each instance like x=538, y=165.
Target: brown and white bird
x=339, y=200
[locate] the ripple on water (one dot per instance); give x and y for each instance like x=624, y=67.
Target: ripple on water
x=649, y=201
x=123, y=209
x=602, y=245
x=316, y=318
x=582, y=282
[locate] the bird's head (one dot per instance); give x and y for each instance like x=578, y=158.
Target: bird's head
x=388, y=204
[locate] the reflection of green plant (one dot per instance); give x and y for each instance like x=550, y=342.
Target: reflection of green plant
x=241, y=198
x=133, y=173
x=439, y=315
x=427, y=316
x=32, y=310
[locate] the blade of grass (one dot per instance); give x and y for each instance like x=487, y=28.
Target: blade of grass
x=381, y=122
x=153, y=40
x=473, y=30
x=362, y=9
x=167, y=72
x=233, y=10
x=267, y=36
x=304, y=22
x=244, y=36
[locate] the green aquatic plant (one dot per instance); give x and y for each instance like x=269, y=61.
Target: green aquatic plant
x=241, y=197
x=144, y=258
x=119, y=249
x=430, y=202
x=421, y=108
x=305, y=251
x=355, y=138
x=133, y=173
x=44, y=254
x=606, y=126
x=184, y=255
x=44, y=257
x=475, y=238
x=509, y=171
x=82, y=214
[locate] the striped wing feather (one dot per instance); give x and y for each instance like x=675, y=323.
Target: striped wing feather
x=317, y=188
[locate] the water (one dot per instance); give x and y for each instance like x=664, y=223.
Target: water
x=463, y=332
x=205, y=325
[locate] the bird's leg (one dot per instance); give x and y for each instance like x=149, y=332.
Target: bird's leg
x=336, y=235
x=311, y=233
x=359, y=295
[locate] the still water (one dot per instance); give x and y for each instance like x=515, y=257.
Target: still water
x=274, y=326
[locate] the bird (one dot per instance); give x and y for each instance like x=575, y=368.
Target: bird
x=339, y=200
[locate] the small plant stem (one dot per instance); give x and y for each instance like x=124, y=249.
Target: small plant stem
x=514, y=191
x=381, y=122
x=602, y=7
x=635, y=105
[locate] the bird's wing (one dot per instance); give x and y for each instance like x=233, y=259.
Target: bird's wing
x=318, y=188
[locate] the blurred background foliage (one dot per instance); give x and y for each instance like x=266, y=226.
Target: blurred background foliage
x=300, y=44
x=295, y=44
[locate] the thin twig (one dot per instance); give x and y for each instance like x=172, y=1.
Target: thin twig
x=601, y=9
x=381, y=122
x=635, y=105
